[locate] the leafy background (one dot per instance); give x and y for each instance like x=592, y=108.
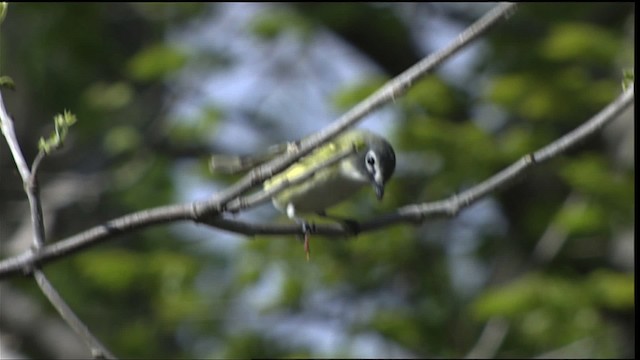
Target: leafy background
x=548, y=264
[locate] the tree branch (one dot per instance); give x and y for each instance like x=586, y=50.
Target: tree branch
x=389, y=92
x=203, y=211
x=415, y=213
x=98, y=351
x=30, y=181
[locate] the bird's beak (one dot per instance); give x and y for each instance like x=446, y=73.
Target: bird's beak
x=379, y=188
x=378, y=184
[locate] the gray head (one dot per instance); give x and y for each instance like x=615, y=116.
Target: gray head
x=378, y=161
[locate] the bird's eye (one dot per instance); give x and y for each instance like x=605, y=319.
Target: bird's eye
x=370, y=160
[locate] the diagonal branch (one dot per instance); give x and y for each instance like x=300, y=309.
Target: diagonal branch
x=98, y=351
x=417, y=213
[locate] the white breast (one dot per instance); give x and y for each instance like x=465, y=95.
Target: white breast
x=330, y=188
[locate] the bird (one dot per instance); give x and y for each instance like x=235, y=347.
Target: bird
x=371, y=161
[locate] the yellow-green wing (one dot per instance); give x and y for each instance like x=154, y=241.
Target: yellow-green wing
x=233, y=164
x=342, y=143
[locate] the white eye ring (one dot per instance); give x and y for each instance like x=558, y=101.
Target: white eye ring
x=370, y=161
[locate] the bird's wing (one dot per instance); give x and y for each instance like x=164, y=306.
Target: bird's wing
x=233, y=164
x=345, y=142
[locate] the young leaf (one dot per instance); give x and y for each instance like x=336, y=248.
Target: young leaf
x=62, y=123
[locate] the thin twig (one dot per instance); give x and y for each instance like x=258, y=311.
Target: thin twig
x=6, y=125
x=490, y=339
x=98, y=351
x=554, y=237
x=33, y=194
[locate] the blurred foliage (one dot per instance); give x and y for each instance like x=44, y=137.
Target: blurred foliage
x=273, y=24
x=548, y=311
x=628, y=77
x=353, y=94
x=155, y=62
x=3, y=11
x=421, y=291
x=7, y=83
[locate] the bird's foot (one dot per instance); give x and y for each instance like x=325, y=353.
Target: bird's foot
x=307, y=229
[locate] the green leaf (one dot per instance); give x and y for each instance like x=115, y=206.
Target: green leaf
x=398, y=326
x=509, y=90
x=351, y=95
x=516, y=142
x=109, y=96
x=581, y=218
x=292, y=294
x=175, y=306
x=509, y=300
x=134, y=334
x=7, y=83
x=528, y=294
x=628, y=76
x=121, y=139
x=549, y=310
x=3, y=10
x=270, y=25
x=580, y=41
x=114, y=270
x=434, y=95
x=592, y=175
x=613, y=289
x=62, y=123
x=156, y=62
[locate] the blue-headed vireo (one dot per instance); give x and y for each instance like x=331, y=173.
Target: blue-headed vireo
x=371, y=161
